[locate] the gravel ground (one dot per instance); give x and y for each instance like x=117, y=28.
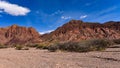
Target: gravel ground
x=34, y=58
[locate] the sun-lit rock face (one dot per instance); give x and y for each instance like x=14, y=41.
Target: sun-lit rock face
x=18, y=35
x=77, y=30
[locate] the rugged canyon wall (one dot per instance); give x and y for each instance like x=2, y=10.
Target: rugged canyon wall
x=18, y=35
x=74, y=30
x=77, y=30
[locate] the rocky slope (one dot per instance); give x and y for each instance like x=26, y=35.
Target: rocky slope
x=18, y=35
x=77, y=30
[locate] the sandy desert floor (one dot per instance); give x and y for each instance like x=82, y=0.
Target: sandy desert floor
x=34, y=58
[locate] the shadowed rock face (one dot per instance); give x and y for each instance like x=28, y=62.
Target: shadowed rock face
x=77, y=30
x=18, y=35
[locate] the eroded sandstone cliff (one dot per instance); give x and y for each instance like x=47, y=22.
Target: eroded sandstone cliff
x=77, y=30
x=19, y=35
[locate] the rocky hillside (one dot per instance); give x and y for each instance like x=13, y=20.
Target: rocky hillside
x=77, y=30
x=18, y=35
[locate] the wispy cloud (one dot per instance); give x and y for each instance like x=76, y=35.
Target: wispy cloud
x=104, y=14
x=83, y=16
x=66, y=17
x=44, y=32
x=13, y=9
x=91, y=3
x=57, y=12
x=108, y=10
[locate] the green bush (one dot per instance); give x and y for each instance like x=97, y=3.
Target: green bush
x=86, y=46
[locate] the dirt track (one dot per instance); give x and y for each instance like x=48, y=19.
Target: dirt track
x=33, y=58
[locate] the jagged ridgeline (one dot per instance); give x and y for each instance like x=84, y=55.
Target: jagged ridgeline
x=18, y=35
x=77, y=30
x=74, y=30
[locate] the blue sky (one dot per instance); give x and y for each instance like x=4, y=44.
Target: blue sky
x=47, y=15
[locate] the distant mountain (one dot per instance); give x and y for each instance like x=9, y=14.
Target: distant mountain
x=77, y=30
x=19, y=35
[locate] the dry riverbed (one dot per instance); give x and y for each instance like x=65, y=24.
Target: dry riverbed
x=35, y=58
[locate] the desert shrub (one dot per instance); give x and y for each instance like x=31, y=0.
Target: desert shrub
x=21, y=47
x=18, y=47
x=25, y=48
x=98, y=44
x=53, y=48
x=72, y=46
x=41, y=46
x=86, y=46
x=32, y=45
x=116, y=41
x=69, y=46
x=2, y=46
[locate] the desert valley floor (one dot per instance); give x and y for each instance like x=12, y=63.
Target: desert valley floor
x=35, y=58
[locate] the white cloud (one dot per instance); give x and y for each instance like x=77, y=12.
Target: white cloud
x=57, y=12
x=83, y=16
x=13, y=9
x=66, y=17
x=44, y=32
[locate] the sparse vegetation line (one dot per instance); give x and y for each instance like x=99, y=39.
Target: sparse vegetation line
x=84, y=46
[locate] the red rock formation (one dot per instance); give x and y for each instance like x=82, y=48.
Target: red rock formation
x=74, y=30
x=77, y=30
x=18, y=35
